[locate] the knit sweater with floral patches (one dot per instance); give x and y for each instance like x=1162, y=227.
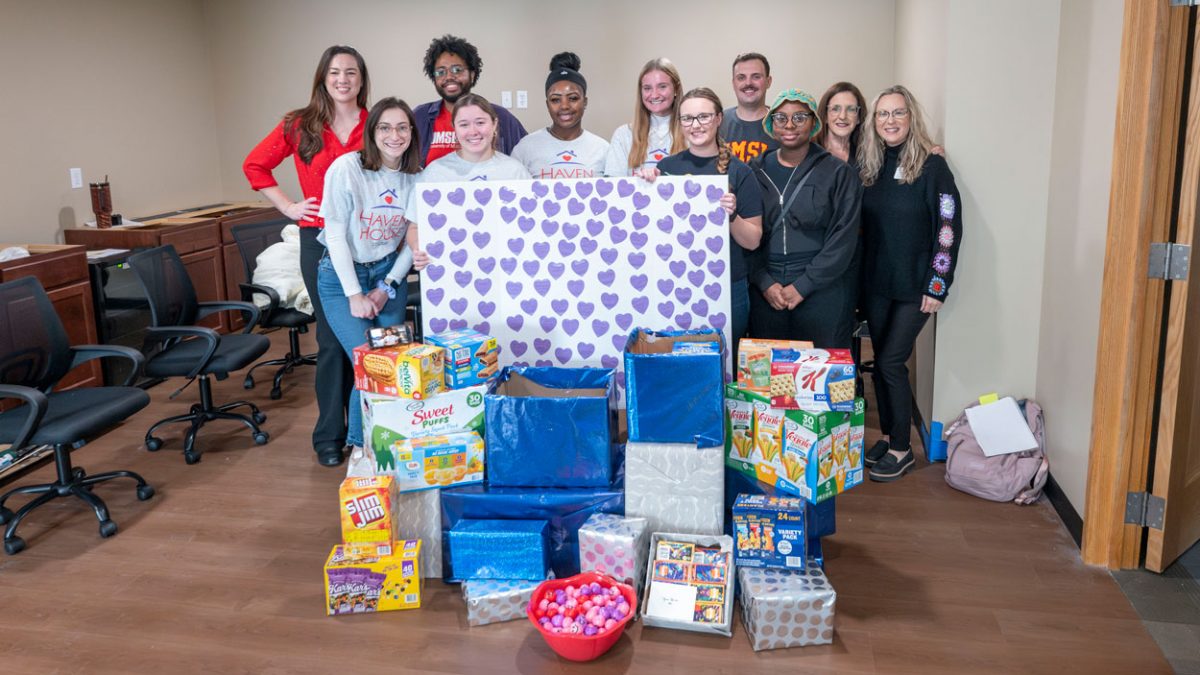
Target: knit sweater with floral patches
x=911, y=232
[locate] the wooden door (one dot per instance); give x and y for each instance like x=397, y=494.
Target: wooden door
x=1176, y=470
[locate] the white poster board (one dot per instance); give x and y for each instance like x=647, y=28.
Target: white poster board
x=561, y=271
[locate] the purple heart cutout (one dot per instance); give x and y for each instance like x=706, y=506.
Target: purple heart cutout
x=586, y=309
x=457, y=197
x=434, y=272
x=516, y=346
x=435, y=295
x=639, y=281
x=609, y=300
x=432, y=197
x=436, y=220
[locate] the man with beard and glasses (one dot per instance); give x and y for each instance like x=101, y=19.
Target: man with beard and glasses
x=742, y=126
x=454, y=66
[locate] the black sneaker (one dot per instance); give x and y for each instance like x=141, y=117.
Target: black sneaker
x=888, y=468
x=876, y=453
x=330, y=455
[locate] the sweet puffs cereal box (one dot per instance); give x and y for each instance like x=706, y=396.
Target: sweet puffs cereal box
x=411, y=371
x=378, y=583
x=754, y=361
x=816, y=380
x=367, y=505
x=471, y=357
x=438, y=461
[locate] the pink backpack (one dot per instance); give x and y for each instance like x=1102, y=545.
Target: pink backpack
x=1018, y=477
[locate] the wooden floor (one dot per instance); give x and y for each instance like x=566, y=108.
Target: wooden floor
x=221, y=572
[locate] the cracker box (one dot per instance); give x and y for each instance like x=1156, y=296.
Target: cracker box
x=816, y=380
x=769, y=531
x=360, y=584
x=786, y=608
x=411, y=371
x=754, y=361
x=438, y=461
x=367, y=508
x=471, y=357
x=388, y=419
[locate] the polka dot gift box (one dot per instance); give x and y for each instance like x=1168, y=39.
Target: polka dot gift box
x=614, y=545
x=786, y=608
x=496, y=600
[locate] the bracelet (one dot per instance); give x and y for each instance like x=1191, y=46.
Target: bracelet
x=387, y=288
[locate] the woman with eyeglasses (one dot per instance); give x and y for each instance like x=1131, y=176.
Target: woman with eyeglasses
x=655, y=132
x=370, y=201
x=331, y=125
x=708, y=155
x=476, y=127
x=563, y=149
x=810, y=229
x=912, y=229
x=839, y=111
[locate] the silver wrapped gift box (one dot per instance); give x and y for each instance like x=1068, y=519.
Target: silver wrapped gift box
x=677, y=487
x=786, y=608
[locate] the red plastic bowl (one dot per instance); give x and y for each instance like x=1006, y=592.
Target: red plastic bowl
x=580, y=647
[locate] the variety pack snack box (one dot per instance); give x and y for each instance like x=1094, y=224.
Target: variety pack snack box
x=471, y=357
x=356, y=584
x=769, y=532
x=438, y=461
x=410, y=371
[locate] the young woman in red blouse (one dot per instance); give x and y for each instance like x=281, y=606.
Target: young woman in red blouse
x=330, y=126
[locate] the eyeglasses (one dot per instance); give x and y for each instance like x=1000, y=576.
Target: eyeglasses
x=387, y=129
x=851, y=110
x=702, y=118
x=897, y=114
x=798, y=118
x=454, y=70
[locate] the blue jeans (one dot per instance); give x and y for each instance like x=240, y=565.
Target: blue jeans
x=351, y=331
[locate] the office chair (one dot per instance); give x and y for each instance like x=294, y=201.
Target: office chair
x=252, y=239
x=34, y=356
x=191, y=351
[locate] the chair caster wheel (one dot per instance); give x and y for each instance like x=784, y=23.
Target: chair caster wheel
x=191, y=457
x=261, y=438
x=14, y=545
x=145, y=492
x=276, y=394
x=248, y=383
x=259, y=418
x=6, y=515
x=107, y=528
x=153, y=443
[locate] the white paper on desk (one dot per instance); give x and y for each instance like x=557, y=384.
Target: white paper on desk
x=1000, y=428
x=675, y=602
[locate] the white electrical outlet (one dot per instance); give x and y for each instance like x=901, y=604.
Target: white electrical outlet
x=506, y=99
x=76, y=178
x=522, y=99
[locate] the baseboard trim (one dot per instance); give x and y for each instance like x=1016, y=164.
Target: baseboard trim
x=1066, y=512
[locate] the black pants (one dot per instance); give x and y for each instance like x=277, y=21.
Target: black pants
x=894, y=327
x=820, y=318
x=335, y=374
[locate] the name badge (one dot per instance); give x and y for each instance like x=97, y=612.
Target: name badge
x=899, y=175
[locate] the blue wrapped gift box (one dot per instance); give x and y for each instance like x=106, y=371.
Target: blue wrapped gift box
x=566, y=509
x=551, y=427
x=674, y=388
x=500, y=549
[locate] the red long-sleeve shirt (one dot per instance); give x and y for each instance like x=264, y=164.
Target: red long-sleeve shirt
x=272, y=150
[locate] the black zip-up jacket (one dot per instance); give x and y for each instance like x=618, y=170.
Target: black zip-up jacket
x=811, y=245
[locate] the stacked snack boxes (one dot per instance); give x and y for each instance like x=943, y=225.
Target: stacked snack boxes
x=410, y=371
x=810, y=455
x=471, y=357
x=356, y=584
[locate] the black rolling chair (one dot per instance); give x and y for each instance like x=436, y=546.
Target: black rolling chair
x=194, y=352
x=252, y=239
x=34, y=356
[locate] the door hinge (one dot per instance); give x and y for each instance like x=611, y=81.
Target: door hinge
x=1145, y=509
x=1169, y=261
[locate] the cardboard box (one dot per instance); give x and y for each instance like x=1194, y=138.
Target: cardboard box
x=367, y=508
x=770, y=531
x=689, y=583
x=360, y=584
x=754, y=361
x=815, y=380
x=438, y=461
x=673, y=385
x=786, y=608
x=471, y=357
x=411, y=371
x=387, y=419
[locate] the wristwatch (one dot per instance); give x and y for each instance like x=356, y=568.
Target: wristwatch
x=387, y=287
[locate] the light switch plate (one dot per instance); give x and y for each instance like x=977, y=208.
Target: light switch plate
x=506, y=99
x=522, y=99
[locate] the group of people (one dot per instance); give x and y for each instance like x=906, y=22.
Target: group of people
x=836, y=208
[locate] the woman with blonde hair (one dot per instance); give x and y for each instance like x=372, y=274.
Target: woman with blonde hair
x=912, y=229
x=655, y=131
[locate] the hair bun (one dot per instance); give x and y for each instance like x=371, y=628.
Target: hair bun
x=565, y=60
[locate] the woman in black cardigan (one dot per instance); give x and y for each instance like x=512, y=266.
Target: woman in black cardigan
x=912, y=228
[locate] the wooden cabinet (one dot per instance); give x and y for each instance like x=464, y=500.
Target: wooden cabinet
x=62, y=271
x=235, y=270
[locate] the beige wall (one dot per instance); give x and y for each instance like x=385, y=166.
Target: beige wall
x=264, y=52
x=113, y=87
x=1077, y=217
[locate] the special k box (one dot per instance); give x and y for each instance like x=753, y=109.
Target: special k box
x=411, y=371
x=815, y=380
x=367, y=505
x=361, y=584
x=754, y=361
